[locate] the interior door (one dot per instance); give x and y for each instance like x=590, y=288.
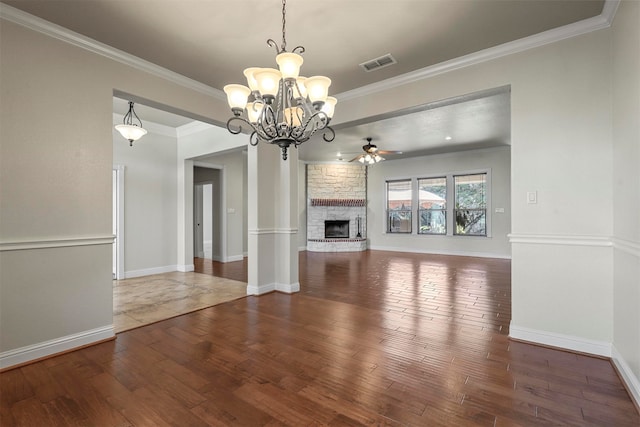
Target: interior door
x=198, y=246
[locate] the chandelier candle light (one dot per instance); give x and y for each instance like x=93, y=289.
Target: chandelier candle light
x=281, y=107
x=129, y=129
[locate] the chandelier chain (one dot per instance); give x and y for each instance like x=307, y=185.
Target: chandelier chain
x=284, y=23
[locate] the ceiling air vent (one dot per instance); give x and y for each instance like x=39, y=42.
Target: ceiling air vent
x=378, y=63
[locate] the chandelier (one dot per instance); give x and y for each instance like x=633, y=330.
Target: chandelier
x=130, y=130
x=280, y=106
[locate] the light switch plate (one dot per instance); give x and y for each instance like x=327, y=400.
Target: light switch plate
x=532, y=197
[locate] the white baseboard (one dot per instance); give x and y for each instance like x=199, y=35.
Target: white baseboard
x=630, y=379
x=150, y=271
x=440, y=252
x=302, y=248
x=185, y=268
x=568, y=342
x=289, y=288
x=233, y=258
x=260, y=289
x=58, y=345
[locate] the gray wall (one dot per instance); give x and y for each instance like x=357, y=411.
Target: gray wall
x=150, y=202
x=497, y=160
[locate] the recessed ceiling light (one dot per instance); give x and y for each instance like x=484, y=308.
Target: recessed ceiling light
x=448, y=138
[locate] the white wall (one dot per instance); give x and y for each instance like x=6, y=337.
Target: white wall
x=561, y=113
x=150, y=201
x=626, y=192
x=497, y=160
x=56, y=237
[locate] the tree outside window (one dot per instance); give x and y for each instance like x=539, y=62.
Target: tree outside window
x=432, y=209
x=471, y=204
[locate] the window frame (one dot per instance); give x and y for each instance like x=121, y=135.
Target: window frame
x=450, y=204
x=388, y=227
x=420, y=209
x=485, y=209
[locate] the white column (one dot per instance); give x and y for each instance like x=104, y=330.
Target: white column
x=273, y=220
x=185, y=215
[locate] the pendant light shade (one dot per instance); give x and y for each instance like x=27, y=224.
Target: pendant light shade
x=129, y=129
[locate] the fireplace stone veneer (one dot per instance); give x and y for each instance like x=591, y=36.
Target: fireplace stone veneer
x=336, y=192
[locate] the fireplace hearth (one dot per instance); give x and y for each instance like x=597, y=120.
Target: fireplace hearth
x=336, y=229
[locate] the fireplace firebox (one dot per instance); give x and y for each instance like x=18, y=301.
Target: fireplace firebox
x=336, y=229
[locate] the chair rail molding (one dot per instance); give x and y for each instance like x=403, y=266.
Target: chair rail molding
x=61, y=242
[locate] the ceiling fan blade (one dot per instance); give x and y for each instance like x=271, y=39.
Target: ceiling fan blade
x=389, y=152
x=356, y=158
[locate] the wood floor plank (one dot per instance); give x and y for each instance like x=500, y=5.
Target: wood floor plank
x=372, y=338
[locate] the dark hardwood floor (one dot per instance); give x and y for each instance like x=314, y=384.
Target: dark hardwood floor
x=230, y=270
x=373, y=338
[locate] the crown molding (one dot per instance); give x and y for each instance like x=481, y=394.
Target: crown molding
x=595, y=23
x=193, y=127
x=585, y=26
x=34, y=23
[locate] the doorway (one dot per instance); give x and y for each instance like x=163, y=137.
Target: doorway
x=207, y=213
x=203, y=220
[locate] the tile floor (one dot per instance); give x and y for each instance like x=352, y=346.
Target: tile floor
x=144, y=300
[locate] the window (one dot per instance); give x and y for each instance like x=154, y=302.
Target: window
x=471, y=204
x=399, y=197
x=432, y=206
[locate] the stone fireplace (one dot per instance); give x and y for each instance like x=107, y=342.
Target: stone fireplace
x=336, y=208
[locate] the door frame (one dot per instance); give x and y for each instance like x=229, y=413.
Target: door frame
x=222, y=215
x=118, y=191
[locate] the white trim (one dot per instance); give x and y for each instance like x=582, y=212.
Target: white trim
x=288, y=288
x=119, y=240
x=185, y=268
x=260, y=289
x=628, y=377
x=440, y=251
x=20, y=245
x=551, y=36
x=628, y=246
x=302, y=248
x=568, y=342
x=192, y=128
x=47, y=348
x=560, y=239
x=233, y=258
x=150, y=271
x=63, y=34
x=259, y=231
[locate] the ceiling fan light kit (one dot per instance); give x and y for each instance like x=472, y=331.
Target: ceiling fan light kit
x=371, y=154
x=280, y=106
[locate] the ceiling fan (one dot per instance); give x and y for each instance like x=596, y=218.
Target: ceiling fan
x=371, y=153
